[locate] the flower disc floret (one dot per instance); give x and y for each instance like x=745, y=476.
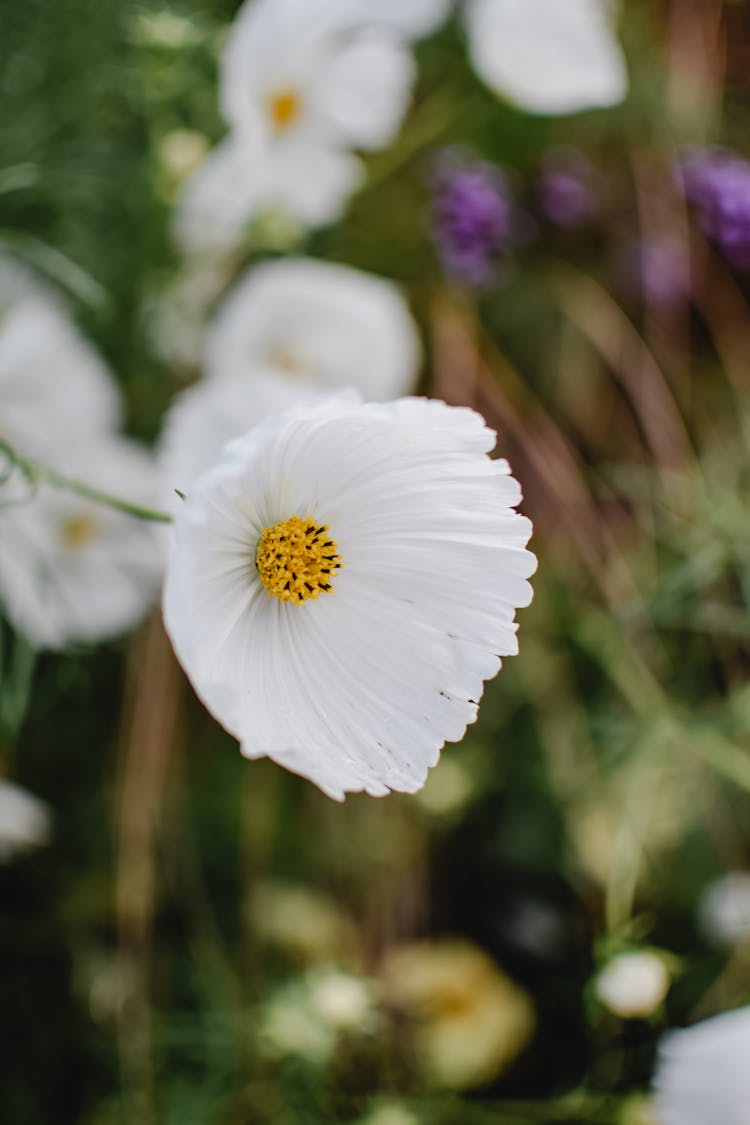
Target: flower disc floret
x=296, y=559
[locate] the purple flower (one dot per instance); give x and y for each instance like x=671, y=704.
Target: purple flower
x=565, y=191
x=472, y=219
x=717, y=183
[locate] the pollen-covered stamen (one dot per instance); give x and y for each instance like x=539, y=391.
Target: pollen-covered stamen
x=284, y=108
x=296, y=559
x=77, y=531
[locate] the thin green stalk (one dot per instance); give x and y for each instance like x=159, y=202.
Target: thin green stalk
x=36, y=473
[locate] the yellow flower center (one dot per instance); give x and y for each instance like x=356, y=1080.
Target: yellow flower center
x=77, y=531
x=284, y=108
x=296, y=559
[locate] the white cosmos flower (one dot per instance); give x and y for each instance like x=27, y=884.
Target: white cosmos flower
x=53, y=386
x=300, y=88
x=342, y=582
x=24, y=820
x=702, y=1076
x=72, y=570
x=549, y=56
x=316, y=322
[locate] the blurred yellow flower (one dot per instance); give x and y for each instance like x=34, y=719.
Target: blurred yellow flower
x=471, y=1019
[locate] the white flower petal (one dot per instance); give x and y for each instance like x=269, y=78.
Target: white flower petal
x=550, y=56
x=53, y=386
x=360, y=688
x=702, y=1074
x=412, y=18
x=364, y=92
x=219, y=199
x=315, y=321
x=309, y=178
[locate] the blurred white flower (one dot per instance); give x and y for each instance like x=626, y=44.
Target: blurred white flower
x=54, y=389
x=18, y=282
x=176, y=315
x=633, y=985
x=724, y=908
x=289, y=1027
x=471, y=1019
x=316, y=322
x=702, y=1075
x=72, y=570
x=213, y=212
x=343, y=1001
x=300, y=88
x=549, y=56
x=307, y=1016
x=342, y=582
x=24, y=820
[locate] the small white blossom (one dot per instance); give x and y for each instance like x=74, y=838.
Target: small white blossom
x=301, y=89
x=549, y=56
x=342, y=1000
x=176, y=315
x=24, y=820
x=316, y=323
x=75, y=571
x=308, y=1016
x=342, y=582
x=702, y=1076
x=633, y=985
x=724, y=908
x=213, y=212
x=54, y=388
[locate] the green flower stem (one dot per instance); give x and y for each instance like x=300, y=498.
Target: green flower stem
x=36, y=473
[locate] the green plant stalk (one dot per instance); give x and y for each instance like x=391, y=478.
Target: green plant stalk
x=36, y=473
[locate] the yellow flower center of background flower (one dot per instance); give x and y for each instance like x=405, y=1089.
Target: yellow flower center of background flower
x=77, y=531
x=296, y=559
x=284, y=109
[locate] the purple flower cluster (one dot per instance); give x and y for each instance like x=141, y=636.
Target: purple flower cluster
x=472, y=219
x=717, y=183
x=565, y=191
